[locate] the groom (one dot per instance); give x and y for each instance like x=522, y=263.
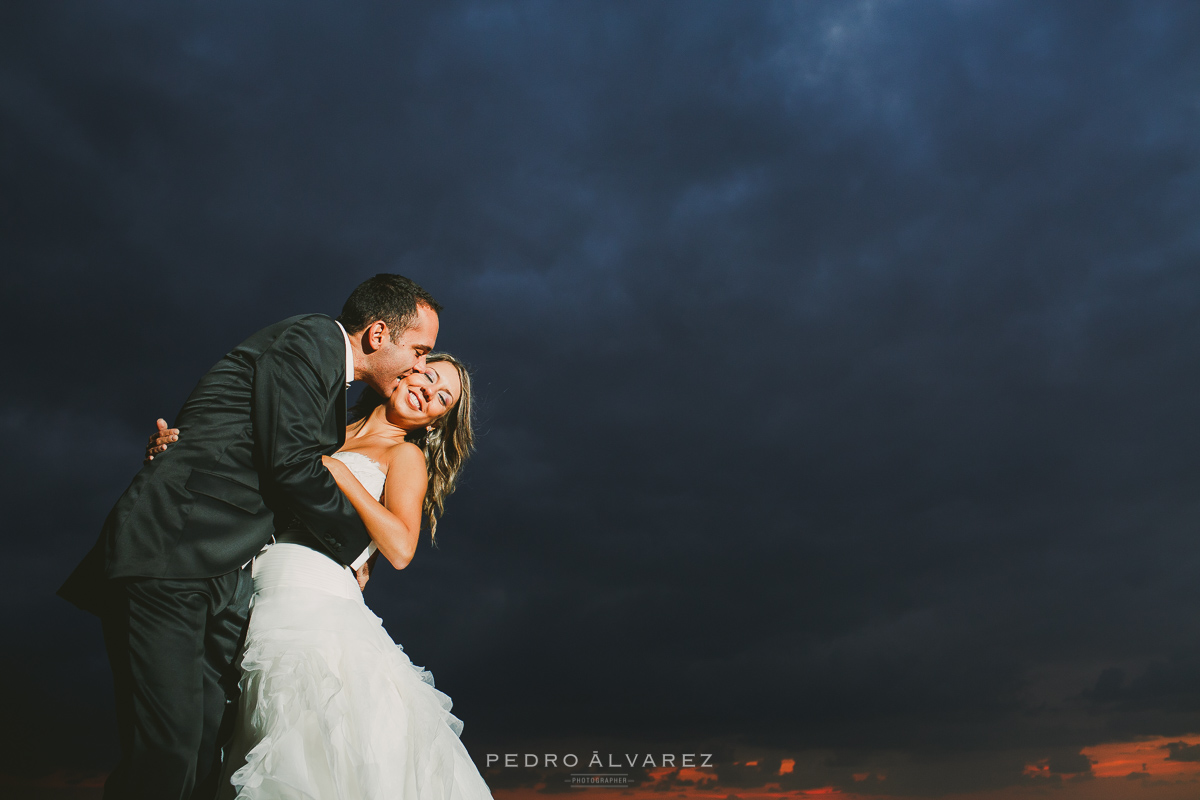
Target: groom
x=166, y=576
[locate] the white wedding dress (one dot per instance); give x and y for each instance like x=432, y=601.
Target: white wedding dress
x=331, y=707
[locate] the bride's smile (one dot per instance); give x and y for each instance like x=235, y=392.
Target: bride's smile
x=423, y=397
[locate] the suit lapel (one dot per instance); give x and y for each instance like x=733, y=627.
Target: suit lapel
x=340, y=411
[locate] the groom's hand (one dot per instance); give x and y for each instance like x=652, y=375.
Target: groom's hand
x=160, y=439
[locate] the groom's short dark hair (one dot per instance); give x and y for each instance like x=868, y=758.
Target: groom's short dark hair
x=391, y=298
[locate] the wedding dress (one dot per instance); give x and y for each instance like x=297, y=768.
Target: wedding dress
x=331, y=707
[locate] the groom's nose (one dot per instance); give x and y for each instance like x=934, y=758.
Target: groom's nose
x=421, y=366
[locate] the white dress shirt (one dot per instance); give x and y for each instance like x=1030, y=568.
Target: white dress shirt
x=349, y=355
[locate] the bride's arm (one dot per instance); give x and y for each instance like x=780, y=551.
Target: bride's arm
x=394, y=524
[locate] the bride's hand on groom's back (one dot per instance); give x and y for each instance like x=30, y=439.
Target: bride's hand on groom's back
x=159, y=440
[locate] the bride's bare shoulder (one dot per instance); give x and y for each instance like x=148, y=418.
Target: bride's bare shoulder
x=405, y=456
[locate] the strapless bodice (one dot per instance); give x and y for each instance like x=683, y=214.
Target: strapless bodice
x=368, y=471
x=371, y=475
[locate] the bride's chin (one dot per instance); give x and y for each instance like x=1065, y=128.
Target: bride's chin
x=396, y=417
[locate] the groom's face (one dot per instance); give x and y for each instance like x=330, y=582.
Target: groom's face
x=395, y=360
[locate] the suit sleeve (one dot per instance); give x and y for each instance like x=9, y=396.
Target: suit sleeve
x=294, y=384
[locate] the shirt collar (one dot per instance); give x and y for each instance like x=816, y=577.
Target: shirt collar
x=349, y=355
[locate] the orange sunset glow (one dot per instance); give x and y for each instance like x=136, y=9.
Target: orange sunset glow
x=1150, y=757
x=1159, y=768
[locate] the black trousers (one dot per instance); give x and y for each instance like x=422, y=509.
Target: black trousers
x=172, y=645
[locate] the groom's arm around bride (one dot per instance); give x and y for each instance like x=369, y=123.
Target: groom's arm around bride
x=256, y=427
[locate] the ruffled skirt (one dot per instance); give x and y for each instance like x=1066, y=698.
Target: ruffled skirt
x=331, y=707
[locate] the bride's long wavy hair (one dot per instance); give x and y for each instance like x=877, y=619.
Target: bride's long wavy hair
x=446, y=447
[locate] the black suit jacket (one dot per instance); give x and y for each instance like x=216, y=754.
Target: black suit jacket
x=252, y=434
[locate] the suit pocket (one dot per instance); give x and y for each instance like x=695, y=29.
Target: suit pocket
x=228, y=491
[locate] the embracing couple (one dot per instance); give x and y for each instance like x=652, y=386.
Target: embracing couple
x=263, y=498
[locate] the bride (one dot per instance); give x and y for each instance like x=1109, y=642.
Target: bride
x=331, y=706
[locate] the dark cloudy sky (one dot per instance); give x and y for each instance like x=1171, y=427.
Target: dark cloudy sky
x=837, y=360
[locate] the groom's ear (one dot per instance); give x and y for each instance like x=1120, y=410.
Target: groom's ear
x=374, y=336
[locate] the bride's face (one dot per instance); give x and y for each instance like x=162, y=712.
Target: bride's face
x=423, y=397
